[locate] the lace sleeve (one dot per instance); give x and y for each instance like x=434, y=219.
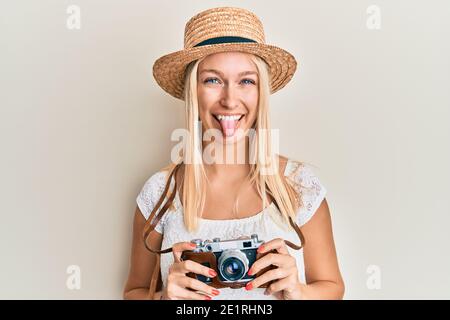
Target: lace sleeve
x=311, y=190
x=149, y=196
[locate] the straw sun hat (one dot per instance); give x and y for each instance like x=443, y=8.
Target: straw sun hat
x=220, y=30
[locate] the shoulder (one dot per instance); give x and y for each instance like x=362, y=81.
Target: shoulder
x=151, y=191
x=288, y=165
x=155, y=181
x=300, y=172
x=304, y=178
x=293, y=168
x=159, y=178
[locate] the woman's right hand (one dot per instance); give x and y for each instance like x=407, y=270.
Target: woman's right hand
x=179, y=285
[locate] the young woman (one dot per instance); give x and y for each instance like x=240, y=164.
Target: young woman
x=225, y=75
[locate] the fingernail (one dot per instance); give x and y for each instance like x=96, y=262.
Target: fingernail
x=207, y=298
x=249, y=286
x=193, y=245
x=212, y=273
x=260, y=249
x=215, y=292
x=250, y=272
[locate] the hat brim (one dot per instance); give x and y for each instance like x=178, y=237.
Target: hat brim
x=168, y=70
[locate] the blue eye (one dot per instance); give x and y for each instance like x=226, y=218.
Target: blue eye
x=251, y=81
x=209, y=79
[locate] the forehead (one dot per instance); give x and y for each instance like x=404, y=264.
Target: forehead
x=228, y=62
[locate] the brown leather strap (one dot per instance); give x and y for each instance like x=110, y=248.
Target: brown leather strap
x=299, y=234
x=298, y=231
x=150, y=226
x=155, y=276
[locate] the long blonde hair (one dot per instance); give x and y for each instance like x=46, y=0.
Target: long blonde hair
x=195, y=181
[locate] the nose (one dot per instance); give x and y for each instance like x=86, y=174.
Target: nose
x=230, y=98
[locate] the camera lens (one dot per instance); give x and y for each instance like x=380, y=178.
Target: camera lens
x=233, y=269
x=233, y=265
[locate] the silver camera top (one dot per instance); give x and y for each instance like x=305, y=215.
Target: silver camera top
x=216, y=245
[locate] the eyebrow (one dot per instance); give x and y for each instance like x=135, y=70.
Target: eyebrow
x=243, y=73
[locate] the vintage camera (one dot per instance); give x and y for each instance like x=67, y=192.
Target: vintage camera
x=231, y=259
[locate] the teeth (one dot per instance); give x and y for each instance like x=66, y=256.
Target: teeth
x=221, y=117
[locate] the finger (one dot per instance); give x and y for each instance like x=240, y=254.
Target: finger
x=195, y=267
x=185, y=294
x=274, y=274
x=280, y=285
x=198, y=286
x=192, y=295
x=179, y=247
x=275, y=259
x=277, y=244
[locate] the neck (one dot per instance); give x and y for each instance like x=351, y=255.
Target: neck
x=229, y=162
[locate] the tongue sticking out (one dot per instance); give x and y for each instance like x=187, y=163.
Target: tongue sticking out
x=228, y=127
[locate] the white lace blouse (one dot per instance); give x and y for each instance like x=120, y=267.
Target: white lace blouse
x=267, y=223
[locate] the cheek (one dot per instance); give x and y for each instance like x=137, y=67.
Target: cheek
x=205, y=92
x=251, y=97
x=205, y=115
x=252, y=105
x=252, y=117
x=207, y=98
x=202, y=113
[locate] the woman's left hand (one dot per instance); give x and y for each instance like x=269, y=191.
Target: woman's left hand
x=287, y=284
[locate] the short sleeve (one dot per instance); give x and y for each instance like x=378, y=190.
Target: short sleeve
x=312, y=192
x=149, y=196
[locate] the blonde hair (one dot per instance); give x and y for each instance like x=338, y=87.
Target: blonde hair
x=195, y=181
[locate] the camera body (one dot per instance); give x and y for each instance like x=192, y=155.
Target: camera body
x=231, y=259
